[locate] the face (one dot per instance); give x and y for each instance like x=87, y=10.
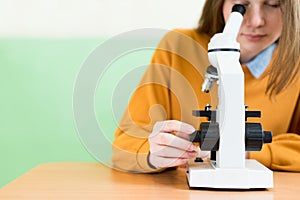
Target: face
x=261, y=27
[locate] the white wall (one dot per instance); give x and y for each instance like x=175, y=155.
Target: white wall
x=73, y=18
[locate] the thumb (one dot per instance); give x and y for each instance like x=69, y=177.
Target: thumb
x=171, y=126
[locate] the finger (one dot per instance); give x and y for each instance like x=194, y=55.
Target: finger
x=160, y=162
x=166, y=139
x=204, y=154
x=170, y=152
x=171, y=126
x=182, y=135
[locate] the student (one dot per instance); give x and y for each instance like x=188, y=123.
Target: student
x=154, y=132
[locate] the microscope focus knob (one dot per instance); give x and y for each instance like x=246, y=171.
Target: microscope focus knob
x=267, y=136
x=208, y=136
x=255, y=137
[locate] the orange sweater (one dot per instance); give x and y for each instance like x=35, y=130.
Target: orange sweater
x=171, y=89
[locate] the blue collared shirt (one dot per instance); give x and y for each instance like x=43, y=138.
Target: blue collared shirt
x=259, y=63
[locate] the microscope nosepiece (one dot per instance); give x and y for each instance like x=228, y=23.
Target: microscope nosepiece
x=211, y=77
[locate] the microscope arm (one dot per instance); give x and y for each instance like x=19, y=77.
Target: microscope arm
x=230, y=111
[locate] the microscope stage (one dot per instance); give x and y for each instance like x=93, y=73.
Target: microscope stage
x=206, y=175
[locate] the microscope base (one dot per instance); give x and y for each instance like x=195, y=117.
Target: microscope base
x=206, y=175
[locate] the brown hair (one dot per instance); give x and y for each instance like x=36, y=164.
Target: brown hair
x=286, y=65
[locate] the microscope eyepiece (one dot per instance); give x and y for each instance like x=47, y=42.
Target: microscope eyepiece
x=239, y=8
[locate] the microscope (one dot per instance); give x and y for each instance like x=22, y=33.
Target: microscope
x=227, y=134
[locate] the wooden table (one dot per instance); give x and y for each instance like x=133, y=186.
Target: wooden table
x=96, y=181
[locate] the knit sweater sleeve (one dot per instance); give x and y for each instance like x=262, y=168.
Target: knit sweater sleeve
x=149, y=103
x=170, y=81
x=284, y=151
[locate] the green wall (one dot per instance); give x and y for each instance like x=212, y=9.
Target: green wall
x=36, y=83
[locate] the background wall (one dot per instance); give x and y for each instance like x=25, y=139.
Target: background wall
x=93, y=17
x=43, y=47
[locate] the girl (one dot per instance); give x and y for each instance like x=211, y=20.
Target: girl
x=154, y=132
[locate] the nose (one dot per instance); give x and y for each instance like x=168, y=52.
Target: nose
x=254, y=17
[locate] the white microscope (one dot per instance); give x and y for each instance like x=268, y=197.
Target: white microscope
x=227, y=134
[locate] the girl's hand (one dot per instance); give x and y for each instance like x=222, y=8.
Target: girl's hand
x=170, y=145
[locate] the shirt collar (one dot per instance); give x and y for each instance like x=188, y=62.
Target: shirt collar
x=259, y=63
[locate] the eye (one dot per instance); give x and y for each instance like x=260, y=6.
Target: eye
x=273, y=4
